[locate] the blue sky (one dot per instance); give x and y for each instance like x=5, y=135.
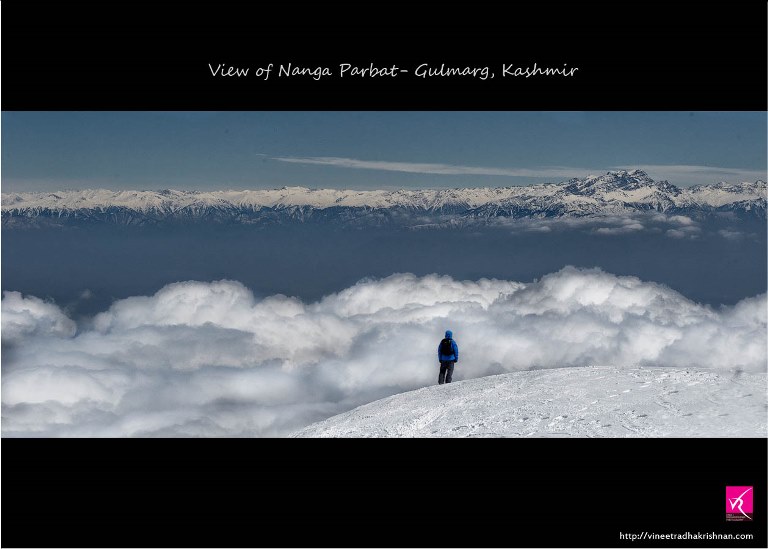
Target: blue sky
x=45, y=151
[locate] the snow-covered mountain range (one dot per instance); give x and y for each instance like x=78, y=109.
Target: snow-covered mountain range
x=616, y=192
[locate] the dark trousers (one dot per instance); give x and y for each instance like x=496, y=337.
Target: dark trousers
x=446, y=372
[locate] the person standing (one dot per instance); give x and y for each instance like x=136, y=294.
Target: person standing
x=448, y=355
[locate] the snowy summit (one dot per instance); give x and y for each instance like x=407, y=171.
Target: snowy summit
x=567, y=402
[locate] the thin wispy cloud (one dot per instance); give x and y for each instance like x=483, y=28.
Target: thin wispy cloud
x=675, y=173
x=425, y=168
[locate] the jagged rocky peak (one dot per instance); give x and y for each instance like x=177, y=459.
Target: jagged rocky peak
x=623, y=179
x=628, y=173
x=613, y=180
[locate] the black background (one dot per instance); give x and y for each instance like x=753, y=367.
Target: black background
x=452, y=493
x=379, y=493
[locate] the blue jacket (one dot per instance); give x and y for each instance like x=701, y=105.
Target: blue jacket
x=452, y=357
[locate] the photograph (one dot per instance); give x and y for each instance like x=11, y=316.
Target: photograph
x=384, y=275
x=278, y=274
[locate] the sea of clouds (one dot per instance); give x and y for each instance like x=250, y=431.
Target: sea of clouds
x=210, y=359
x=678, y=227
x=671, y=226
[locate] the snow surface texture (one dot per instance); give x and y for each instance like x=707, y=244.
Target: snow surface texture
x=567, y=402
x=211, y=359
x=612, y=193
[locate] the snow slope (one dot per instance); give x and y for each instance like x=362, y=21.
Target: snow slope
x=567, y=402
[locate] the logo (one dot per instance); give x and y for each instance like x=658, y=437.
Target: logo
x=738, y=503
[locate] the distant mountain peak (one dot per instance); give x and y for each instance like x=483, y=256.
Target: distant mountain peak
x=628, y=173
x=614, y=179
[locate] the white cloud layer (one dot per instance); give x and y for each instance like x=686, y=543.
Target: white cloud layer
x=672, y=226
x=679, y=174
x=26, y=316
x=209, y=359
x=428, y=168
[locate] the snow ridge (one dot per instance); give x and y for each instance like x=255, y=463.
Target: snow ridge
x=583, y=402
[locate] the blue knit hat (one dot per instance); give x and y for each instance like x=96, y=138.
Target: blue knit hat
x=449, y=334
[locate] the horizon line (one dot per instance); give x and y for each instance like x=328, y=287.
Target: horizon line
x=734, y=176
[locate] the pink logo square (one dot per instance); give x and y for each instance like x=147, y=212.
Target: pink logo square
x=738, y=502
